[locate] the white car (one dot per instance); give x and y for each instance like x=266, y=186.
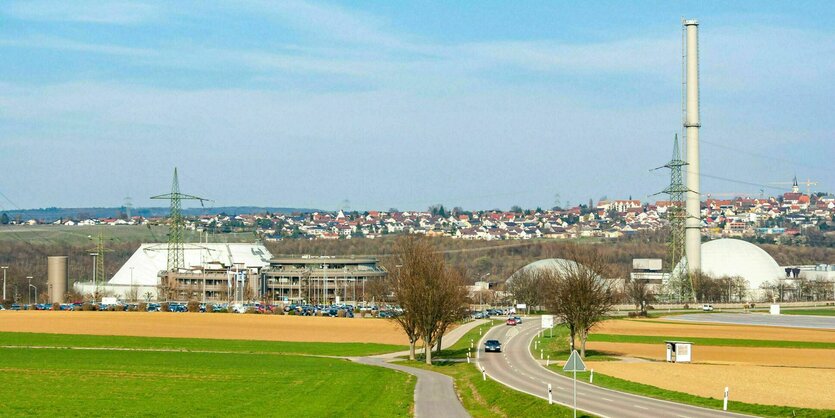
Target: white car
x=707, y=307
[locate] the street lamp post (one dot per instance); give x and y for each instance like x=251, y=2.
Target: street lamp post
x=132, y=290
x=29, y=290
x=4, y=281
x=95, y=286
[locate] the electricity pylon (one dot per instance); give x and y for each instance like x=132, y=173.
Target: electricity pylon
x=98, y=254
x=680, y=282
x=176, y=256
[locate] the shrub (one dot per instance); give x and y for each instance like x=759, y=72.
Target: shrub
x=142, y=307
x=163, y=307
x=88, y=307
x=132, y=308
x=291, y=312
x=340, y=313
x=111, y=308
x=251, y=310
x=374, y=313
x=56, y=306
x=193, y=306
x=210, y=307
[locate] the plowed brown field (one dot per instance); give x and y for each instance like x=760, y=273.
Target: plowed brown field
x=753, y=384
x=194, y=325
x=679, y=329
x=801, y=357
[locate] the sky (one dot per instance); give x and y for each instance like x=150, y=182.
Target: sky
x=395, y=104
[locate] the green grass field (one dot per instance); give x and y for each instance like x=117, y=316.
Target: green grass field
x=462, y=346
x=253, y=380
x=819, y=311
x=75, y=235
x=195, y=344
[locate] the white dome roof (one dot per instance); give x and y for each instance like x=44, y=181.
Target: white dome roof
x=734, y=257
x=549, y=263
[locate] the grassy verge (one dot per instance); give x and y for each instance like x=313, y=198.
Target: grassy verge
x=713, y=403
x=819, y=312
x=195, y=344
x=554, y=343
x=59, y=382
x=490, y=398
x=722, y=342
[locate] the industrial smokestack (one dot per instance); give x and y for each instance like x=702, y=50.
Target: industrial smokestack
x=692, y=235
x=56, y=273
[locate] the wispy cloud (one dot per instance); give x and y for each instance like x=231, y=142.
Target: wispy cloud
x=111, y=12
x=61, y=44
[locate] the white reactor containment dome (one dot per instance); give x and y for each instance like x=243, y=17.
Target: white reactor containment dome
x=734, y=257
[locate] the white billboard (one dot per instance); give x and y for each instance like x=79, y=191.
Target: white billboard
x=547, y=321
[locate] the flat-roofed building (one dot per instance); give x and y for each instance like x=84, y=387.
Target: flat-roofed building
x=320, y=279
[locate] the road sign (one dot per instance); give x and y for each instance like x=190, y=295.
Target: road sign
x=547, y=321
x=574, y=363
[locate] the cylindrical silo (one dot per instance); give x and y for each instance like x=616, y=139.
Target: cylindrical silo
x=56, y=273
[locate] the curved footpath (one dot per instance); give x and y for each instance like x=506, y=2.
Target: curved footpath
x=434, y=392
x=516, y=368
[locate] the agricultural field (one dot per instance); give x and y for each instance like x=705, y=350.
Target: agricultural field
x=101, y=380
x=210, y=326
x=816, y=312
x=630, y=355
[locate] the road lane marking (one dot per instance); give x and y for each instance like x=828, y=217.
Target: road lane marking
x=606, y=399
x=640, y=407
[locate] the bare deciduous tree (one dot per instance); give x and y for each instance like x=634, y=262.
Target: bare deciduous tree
x=639, y=293
x=431, y=295
x=526, y=287
x=579, y=292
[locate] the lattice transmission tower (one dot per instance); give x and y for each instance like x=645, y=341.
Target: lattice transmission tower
x=176, y=251
x=680, y=283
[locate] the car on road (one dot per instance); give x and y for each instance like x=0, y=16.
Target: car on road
x=511, y=321
x=518, y=319
x=492, y=346
x=707, y=307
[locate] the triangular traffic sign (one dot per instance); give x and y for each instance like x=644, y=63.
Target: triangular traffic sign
x=574, y=363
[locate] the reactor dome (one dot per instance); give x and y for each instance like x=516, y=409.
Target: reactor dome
x=549, y=263
x=734, y=257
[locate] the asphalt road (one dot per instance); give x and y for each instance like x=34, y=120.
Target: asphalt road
x=516, y=367
x=793, y=321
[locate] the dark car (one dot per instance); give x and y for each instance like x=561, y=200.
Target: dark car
x=493, y=345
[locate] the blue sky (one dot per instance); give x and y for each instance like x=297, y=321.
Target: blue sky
x=403, y=104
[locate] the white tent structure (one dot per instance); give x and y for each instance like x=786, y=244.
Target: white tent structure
x=141, y=271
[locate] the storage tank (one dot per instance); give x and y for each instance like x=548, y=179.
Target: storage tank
x=56, y=273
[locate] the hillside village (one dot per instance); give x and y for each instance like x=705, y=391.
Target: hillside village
x=793, y=217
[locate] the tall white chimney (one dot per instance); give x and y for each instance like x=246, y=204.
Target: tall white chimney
x=692, y=235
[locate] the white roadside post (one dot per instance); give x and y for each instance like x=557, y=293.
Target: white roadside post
x=548, y=362
x=591, y=376
x=541, y=354
x=725, y=403
x=483, y=374
x=468, y=357
x=550, y=395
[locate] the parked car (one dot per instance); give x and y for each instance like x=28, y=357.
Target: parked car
x=707, y=307
x=492, y=346
x=511, y=321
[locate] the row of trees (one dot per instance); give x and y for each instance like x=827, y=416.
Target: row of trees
x=432, y=294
